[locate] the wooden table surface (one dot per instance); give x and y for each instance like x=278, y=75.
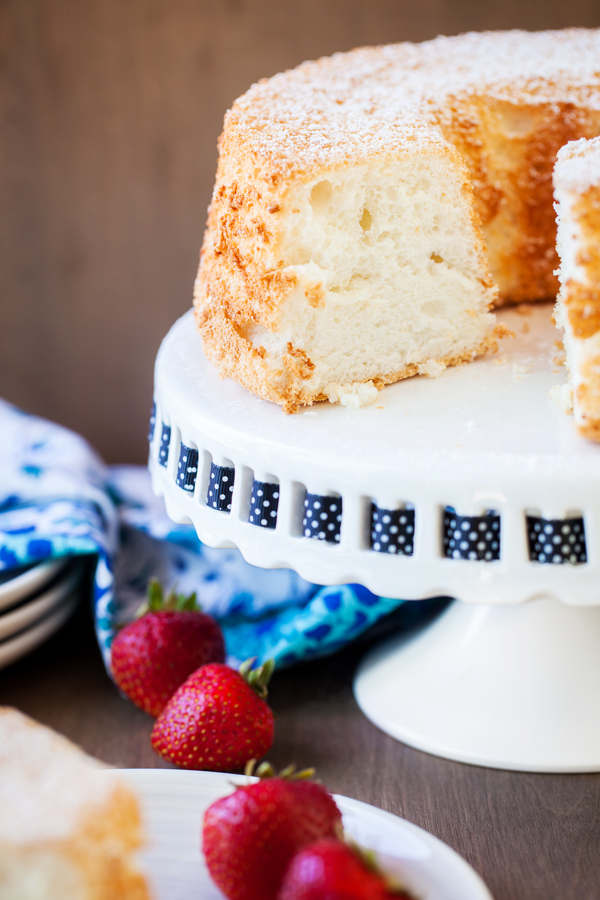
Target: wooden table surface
x=531, y=837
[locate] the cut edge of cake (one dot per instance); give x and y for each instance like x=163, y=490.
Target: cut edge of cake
x=277, y=306
x=577, y=193
x=363, y=275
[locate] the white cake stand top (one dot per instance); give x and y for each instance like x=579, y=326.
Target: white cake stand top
x=481, y=437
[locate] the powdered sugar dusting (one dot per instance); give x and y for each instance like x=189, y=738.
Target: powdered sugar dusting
x=377, y=100
x=578, y=166
x=45, y=782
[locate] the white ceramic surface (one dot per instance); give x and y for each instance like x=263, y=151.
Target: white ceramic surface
x=508, y=687
x=16, y=647
x=28, y=613
x=174, y=802
x=481, y=436
x=14, y=590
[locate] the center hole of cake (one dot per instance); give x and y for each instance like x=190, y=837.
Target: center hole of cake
x=366, y=220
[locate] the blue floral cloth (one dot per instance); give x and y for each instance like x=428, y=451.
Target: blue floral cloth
x=57, y=498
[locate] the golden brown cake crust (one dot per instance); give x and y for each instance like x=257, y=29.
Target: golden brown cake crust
x=236, y=358
x=577, y=186
x=511, y=173
x=64, y=815
x=103, y=846
x=583, y=311
x=500, y=104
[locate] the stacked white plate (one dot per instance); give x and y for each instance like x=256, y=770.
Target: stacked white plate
x=34, y=603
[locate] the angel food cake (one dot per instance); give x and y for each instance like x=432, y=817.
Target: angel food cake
x=577, y=191
x=68, y=827
x=372, y=207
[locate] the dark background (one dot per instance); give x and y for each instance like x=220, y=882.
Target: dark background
x=110, y=114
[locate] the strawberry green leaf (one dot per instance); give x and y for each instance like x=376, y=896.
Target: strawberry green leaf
x=155, y=594
x=156, y=600
x=258, y=678
x=266, y=770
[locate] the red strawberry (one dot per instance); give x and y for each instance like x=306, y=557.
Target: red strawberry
x=331, y=870
x=250, y=836
x=217, y=719
x=156, y=652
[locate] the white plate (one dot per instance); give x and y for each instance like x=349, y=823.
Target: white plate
x=15, y=589
x=16, y=647
x=173, y=804
x=32, y=611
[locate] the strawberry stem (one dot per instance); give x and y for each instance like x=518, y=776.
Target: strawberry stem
x=266, y=770
x=156, y=600
x=258, y=678
x=155, y=595
x=249, y=768
x=303, y=774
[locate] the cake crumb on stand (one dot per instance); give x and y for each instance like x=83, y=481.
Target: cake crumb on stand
x=562, y=395
x=353, y=395
x=433, y=368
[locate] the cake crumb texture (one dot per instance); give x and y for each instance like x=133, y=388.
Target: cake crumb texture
x=68, y=827
x=371, y=208
x=577, y=312
x=352, y=395
x=562, y=395
x=432, y=368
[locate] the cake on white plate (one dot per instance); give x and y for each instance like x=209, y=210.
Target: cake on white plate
x=372, y=207
x=577, y=192
x=68, y=827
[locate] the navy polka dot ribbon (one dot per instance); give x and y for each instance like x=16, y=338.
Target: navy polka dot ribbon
x=392, y=530
x=471, y=537
x=263, y=504
x=165, y=441
x=322, y=517
x=187, y=470
x=557, y=541
x=220, y=487
x=152, y=423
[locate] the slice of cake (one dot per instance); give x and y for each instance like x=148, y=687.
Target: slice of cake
x=371, y=207
x=368, y=273
x=68, y=827
x=577, y=192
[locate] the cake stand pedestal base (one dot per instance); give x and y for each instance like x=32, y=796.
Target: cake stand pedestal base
x=511, y=687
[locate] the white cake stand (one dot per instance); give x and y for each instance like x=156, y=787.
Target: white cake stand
x=508, y=678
